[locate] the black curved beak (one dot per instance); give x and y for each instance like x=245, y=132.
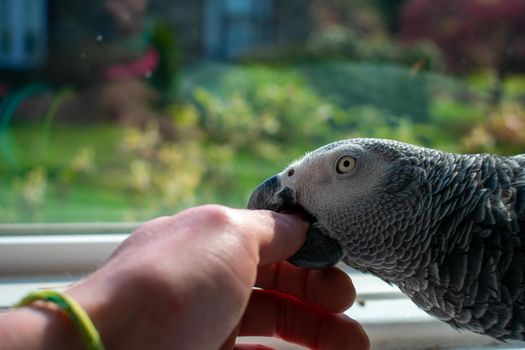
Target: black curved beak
x=319, y=250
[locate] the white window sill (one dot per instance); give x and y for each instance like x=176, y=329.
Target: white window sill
x=390, y=319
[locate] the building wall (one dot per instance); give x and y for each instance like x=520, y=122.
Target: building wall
x=293, y=20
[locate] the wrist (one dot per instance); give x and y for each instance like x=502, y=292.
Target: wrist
x=109, y=302
x=99, y=306
x=38, y=326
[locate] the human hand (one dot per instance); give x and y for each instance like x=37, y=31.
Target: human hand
x=186, y=281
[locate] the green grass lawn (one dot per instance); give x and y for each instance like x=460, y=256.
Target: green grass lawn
x=102, y=194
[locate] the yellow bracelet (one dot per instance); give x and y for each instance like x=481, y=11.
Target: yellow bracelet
x=88, y=332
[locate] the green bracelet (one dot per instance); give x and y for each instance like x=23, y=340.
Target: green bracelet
x=88, y=332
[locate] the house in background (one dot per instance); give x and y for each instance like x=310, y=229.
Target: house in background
x=206, y=29
x=224, y=29
x=48, y=44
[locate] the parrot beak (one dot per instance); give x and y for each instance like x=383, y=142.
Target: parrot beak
x=318, y=251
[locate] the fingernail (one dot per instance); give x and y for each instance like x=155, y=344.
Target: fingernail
x=293, y=220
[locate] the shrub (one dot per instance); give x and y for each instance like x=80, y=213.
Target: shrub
x=503, y=132
x=341, y=43
x=268, y=108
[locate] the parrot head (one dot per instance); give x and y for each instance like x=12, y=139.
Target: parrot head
x=356, y=194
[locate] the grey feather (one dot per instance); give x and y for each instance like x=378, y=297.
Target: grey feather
x=447, y=229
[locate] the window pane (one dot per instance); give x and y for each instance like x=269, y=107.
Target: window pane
x=119, y=111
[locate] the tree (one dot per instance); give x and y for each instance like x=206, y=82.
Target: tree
x=472, y=33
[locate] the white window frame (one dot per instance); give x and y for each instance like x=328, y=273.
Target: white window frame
x=53, y=255
x=58, y=248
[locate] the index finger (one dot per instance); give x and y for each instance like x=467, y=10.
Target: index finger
x=278, y=235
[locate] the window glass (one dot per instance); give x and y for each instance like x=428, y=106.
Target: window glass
x=122, y=110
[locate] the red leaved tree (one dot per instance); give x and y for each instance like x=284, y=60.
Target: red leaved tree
x=471, y=33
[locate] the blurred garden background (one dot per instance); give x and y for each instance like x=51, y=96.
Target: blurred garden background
x=121, y=110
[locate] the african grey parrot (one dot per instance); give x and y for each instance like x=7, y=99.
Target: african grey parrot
x=447, y=229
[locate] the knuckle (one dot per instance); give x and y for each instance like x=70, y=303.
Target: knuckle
x=216, y=215
x=230, y=225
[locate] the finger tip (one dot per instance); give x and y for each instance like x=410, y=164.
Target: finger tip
x=345, y=287
x=344, y=333
x=341, y=294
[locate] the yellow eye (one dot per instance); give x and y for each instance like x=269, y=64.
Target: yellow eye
x=346, y=164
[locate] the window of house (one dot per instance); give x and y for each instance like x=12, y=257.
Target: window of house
x=115, y=112
x=236, y=27
x=23, y=30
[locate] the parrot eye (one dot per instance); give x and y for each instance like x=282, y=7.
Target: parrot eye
x=346, y=164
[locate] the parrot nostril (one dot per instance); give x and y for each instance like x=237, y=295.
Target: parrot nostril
x=291, y=172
